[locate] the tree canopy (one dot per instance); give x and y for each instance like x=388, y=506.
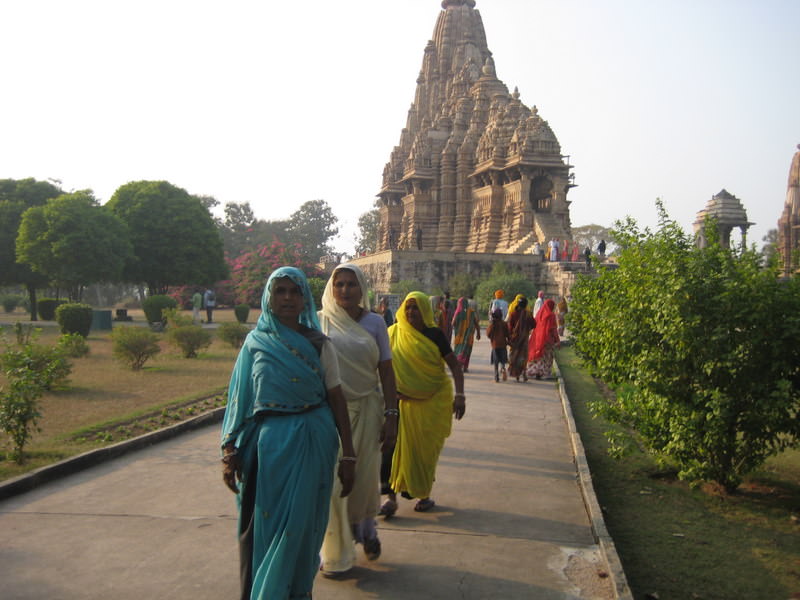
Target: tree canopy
x=367, y=237
x=700, y=346
x=17, y=196
x=174, y=238
x=590, y=235
x=73, y=242
x=311, y=228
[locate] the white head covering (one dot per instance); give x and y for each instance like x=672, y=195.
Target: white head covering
x=356, y=349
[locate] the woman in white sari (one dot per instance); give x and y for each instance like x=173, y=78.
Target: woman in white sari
x=365, y=364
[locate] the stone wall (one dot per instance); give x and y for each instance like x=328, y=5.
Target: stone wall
x=434, y=269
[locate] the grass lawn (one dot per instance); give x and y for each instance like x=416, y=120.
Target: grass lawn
x=106, y=402
x=680, y=543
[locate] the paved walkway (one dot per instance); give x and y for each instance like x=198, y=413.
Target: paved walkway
x=510, y=520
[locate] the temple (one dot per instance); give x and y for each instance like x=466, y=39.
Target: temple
x=789, y=222
x=477, y=177
x=475, y=170
x=729, y=214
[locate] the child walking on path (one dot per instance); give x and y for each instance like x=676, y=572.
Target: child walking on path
x=498, y=333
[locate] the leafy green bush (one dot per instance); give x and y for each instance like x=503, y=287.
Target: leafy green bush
x=25, y=332
x=19, y=411
x=47, y=308
x=48, y=363
x=153, y=307
x=233, y=333
x=190, y=339
x=317, y=286
x=242, y=311
x=174, y=318
x=74, y=318
x=700, y=346
x=10, y=302
x=73, y=345
x=503, y=278
x=133, y=345
x=403, y=287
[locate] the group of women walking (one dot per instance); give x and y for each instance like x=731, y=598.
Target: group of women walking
x=309, y=388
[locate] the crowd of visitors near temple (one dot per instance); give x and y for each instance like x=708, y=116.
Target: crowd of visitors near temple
x=329, y=410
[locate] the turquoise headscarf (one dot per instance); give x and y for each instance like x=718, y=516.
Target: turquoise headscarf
x=278, y=369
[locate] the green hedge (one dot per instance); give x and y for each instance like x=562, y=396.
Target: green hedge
x=74, y=318
x=153, y=307
x=47, y=308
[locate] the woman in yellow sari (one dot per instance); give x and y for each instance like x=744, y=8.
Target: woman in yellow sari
x=420, y=352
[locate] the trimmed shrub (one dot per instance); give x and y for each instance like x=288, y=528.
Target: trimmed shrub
x=47, y=308
x=73, y=345
x=233, y=333
x=10, y=302
x=153, y=307
x=74, y=318
x=242, y=311
x=190, y=339
x=134, y=346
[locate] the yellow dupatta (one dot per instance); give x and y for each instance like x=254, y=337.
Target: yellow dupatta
x=426, y=402
x=418, y=364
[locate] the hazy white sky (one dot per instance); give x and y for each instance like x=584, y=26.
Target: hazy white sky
x=277, y=103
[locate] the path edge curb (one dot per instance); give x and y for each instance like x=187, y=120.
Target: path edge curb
x=599, y=530
x=29, y=481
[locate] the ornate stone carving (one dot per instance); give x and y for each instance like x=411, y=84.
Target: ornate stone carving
x=789, y=222
x=475, y=169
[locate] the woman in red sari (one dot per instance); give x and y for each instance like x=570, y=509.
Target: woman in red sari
x=543, y=342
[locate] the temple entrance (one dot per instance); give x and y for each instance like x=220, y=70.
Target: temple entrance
x=541, y=195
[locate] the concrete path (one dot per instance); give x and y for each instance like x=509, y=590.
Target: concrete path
x=510, y=519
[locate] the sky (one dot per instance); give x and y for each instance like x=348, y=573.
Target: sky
x=279, y=103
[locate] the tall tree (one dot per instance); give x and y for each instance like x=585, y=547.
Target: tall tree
x=367, y=237
x=700, y=345
x=311, y=227
x=175, y=240
x=17, y=196
x=74, y=242
x=590, y=235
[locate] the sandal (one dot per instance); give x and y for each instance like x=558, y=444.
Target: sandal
x=388, y=509
x=372, y=548
x=424, y=505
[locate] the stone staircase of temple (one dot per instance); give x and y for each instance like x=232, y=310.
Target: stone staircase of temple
x=524, y=245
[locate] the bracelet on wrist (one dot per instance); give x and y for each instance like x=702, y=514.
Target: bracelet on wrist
x=347, y=459
x=391, y=412
x=459, y=396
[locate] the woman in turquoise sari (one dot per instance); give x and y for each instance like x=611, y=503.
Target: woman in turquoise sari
x=280, y=443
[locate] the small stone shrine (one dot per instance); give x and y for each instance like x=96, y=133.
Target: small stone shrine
x=729, y=214
x=789, y=222
x=475, y=170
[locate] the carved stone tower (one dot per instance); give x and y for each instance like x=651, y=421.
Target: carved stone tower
x=475, y=169
x=789, y=223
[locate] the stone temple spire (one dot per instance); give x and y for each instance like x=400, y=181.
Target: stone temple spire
x=475, y=170
x=789, y=222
